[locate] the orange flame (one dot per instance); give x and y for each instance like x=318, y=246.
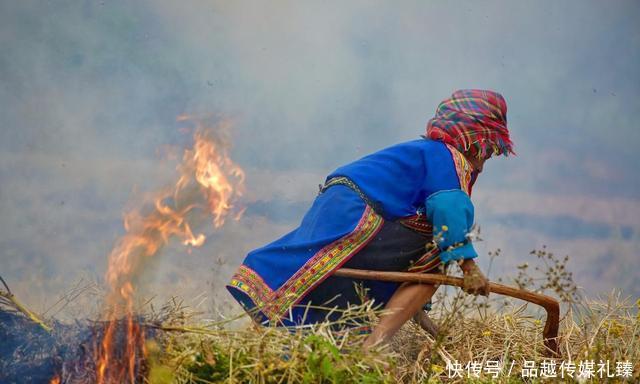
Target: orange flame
x=55, y=380
x=209, y=183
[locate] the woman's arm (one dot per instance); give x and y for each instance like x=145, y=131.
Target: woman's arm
x=451, y=214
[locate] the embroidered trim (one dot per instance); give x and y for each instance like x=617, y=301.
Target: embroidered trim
x=347, y=182
x=429, y=261
x=325, y=261
x=417, y=223
x=248, y=281
x=463, y=169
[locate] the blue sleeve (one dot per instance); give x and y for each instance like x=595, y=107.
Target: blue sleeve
x=451, y=213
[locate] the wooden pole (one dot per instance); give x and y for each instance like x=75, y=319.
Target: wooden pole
x=551, y=305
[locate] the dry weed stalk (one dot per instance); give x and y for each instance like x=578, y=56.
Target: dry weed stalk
x=8, y=299
x=471, y=329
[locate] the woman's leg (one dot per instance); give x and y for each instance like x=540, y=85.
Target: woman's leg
x=403, y=305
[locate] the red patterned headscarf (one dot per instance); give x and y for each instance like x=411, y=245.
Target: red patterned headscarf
x=473, y=121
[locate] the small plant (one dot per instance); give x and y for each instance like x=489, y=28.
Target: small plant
x=553, y=275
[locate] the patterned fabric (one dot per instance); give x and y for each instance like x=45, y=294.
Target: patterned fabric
x=473, y=120
x=274, y=304
x=463, y=169
x=428, y=262
x=248, y=281
x=394, y=248
x=373, y=213
x=323, y=263
x=418, y=223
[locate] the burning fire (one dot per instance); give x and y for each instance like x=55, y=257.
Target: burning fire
x=209, y=183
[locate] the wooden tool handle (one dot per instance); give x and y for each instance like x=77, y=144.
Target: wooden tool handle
x=551, y=305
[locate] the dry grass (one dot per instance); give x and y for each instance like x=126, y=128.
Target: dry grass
x=600, y=330
x=472, y=330
x=597, y=330
x=329, y=352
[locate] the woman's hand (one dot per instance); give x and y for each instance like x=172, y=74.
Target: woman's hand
x=475, y=283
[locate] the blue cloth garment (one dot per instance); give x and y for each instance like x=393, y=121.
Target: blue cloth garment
x=379, y=213
x=398, y=179
x=451, y=213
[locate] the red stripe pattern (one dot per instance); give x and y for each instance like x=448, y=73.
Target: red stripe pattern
x=473, y=120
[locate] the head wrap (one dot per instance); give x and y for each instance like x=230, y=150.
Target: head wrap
x=473, y=120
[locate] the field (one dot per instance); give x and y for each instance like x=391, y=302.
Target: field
x=495, y=339
x=479, y=340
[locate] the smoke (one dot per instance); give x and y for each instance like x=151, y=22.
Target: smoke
x=91, y=92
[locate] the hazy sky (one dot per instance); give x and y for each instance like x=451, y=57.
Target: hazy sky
x=90, y=92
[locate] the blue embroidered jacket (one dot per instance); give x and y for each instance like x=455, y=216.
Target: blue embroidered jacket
x=422, y=184
x=420, y=177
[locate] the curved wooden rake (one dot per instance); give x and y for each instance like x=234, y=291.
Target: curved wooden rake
x=551, y=305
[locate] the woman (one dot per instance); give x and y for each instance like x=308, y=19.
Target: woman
x=404, y=208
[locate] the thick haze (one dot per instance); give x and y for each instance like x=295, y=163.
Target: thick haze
x=90, y=92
